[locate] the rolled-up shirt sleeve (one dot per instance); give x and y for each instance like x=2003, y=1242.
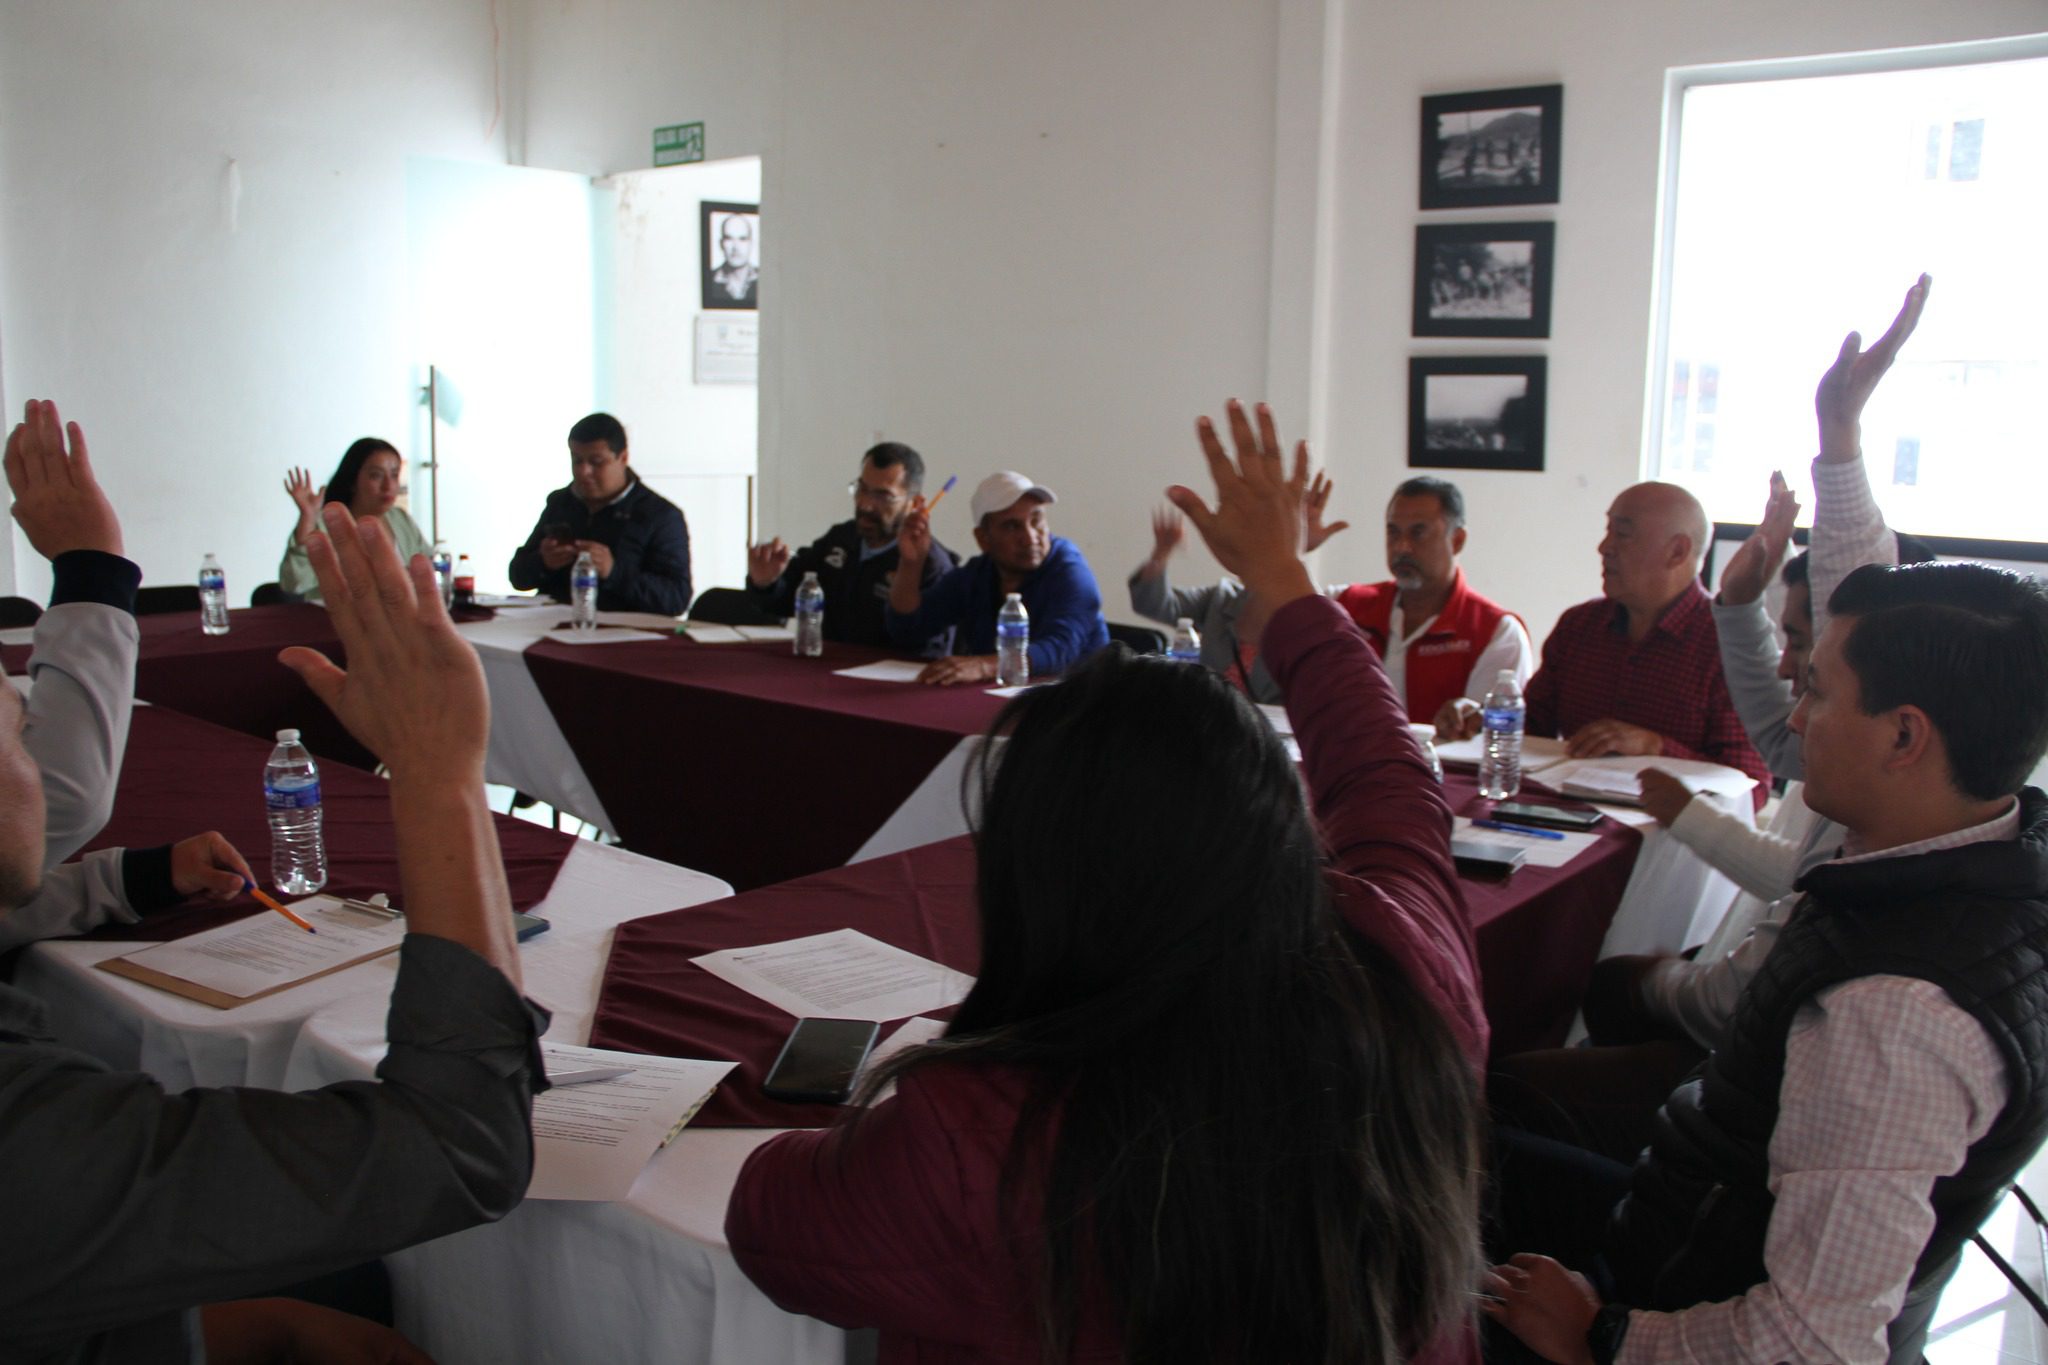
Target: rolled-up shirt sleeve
x=125, y=1202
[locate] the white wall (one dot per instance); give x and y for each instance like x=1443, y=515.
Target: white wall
x=1028, y=236
x=205, y=344
x=696, y=444
x=1533, y=534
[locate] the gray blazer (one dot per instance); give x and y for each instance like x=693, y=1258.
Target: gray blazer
x=1214, y=611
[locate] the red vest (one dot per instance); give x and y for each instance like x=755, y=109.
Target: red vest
x=1440, y=660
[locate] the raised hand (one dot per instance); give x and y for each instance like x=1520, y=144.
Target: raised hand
x=914, y=539
x=1169, y=529
x=1318, y=498
x=1256, y=529
x=413, y=692
x=765, y=563
x=1850, y=381
x=298, y=485
x=57, y=501
x=1750, y=568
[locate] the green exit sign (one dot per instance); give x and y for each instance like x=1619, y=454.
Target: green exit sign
x=678, y=145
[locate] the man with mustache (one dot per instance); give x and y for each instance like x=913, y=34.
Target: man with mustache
x=1438, y=638
x=856, y=560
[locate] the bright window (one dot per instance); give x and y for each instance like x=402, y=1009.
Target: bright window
x=1802, y=208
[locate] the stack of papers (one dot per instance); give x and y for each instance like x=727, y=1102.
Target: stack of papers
x=591, y=1141
x=1616, y=780
x=1536, y=850
x=841, y=975
x=711, y=633
x=1538, y=753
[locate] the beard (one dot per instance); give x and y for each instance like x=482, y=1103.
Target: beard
x=1407, y=576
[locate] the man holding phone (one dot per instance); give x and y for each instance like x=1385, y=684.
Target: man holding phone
x=637, y=539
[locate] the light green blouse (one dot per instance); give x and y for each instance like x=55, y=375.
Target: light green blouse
x=295, y=575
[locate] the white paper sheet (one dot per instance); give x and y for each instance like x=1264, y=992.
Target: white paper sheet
x=711, y=633
x=265, y=951
x=605, y=637
x=1008, y=692
x=18, y=635
x=504, y=602
x=841, y=975
x=1539, y=753
x=640, y=620
x=591, y=1141
x=885, y=670
x=1536, y=851
x=766, y=632
x=1615, y=778
x=1276, y=716
x=910, y=1033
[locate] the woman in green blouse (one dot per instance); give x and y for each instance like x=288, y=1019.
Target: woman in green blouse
x=367, y=482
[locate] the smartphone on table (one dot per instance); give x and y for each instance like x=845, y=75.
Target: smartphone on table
x=820, y=1060
x=1564, y=817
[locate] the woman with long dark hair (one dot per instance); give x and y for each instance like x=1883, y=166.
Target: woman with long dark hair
x=368, y=481
x=1213, y=1094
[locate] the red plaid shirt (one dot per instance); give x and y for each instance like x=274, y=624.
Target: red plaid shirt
x=1671, y=682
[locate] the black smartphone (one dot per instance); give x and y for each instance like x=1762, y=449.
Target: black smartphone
x=557, y=530
x=820, y=1060
x=1561, y=816
x=526, y=926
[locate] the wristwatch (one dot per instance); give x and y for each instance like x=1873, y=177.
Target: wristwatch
x=1603, y=1338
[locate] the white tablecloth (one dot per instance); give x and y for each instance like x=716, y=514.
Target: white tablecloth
x=646, y=1279
x=528, y=751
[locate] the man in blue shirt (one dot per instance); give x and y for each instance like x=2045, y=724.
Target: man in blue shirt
x=1018, y=554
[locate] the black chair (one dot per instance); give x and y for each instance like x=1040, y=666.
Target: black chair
x=271, y=595
x=1138, y=639
x=19, y=611
x=731, y=607
x=162, y=601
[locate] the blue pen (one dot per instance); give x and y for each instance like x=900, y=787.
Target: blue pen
x=1505, y=827
x=942, y=494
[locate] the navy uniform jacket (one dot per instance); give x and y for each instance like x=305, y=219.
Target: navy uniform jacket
x=856, y=589
x=650, y=545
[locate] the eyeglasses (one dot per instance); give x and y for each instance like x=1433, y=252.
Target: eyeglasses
x=879, y=497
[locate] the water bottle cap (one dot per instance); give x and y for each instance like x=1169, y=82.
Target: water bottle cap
x=1185, y=623
x=287, y=736
x=809, y=578
x=1014, y=597
x=1506, y=675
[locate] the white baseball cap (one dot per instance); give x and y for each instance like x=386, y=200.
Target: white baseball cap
x=999, y=491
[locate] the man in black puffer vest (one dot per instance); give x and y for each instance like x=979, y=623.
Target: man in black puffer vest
x=1885, y=1075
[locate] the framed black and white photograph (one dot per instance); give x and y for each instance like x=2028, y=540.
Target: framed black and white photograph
x=1483, y=279
x=732, y=255
x=1476, y=412
x=1491, y=147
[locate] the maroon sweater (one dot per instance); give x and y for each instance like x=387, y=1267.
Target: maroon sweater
x=896, y=1222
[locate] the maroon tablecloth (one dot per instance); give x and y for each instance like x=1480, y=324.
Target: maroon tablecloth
x=235, y=679
x=1538, y=931
x=742, y=760
x=183, y=776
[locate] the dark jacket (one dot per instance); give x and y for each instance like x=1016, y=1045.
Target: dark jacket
x=856, y=589
x=1972, y=920
x=650, y=545
x=1060, y=594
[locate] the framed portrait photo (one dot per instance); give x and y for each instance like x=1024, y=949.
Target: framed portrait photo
x=1487, y=148
x=1483, y=279
x=731, y=234
x=1476, y=412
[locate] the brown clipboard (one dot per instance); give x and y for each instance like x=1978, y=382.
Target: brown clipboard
x=123, y=966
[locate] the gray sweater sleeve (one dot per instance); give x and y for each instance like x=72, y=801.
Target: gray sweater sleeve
x=1749, y=660
x=82, y=693
x=1156, y=599
x=74, y=899
x=127, y=1204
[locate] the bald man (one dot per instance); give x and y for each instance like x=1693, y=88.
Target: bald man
x=1638, y=669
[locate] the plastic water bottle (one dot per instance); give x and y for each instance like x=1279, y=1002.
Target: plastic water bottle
x=583, y=591
x=1500, y=755
x=810, y=617
x=291, y=789
x=1013, y=643
x=1187, y=643
x=213, y=597
x=444, y=573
